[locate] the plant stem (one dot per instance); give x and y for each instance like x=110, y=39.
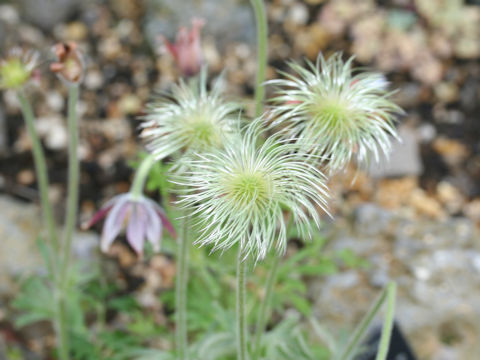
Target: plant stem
x=181, y=292
x=70, y=220
x=264, y=307
x=62, y=323
x=262, y=49
x=141, y=175
x=73, y=178
x=41, y=173
x=359, y=333
x=241, y=307
x=388, y=323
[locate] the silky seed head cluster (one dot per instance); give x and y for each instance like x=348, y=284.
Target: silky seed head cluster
x=190, y=120
x=335, y=111
x=238, y=194
x=17, y=68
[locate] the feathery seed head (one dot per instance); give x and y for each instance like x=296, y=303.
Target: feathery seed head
x=237, y=193
x=17, y=68
x=336, y=111
x=191, y=120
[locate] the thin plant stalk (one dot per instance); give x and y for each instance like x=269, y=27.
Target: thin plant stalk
x=264, y=310
x=388, y=322
x=387, y=294
x=73, y=176
x=70, y=220
x=262, y=52
x=141, y=175
x=241, y=293
x=42, y=178
x=181, y=292
x=41, y=173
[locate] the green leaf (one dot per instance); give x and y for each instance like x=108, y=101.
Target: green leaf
x=351, y=348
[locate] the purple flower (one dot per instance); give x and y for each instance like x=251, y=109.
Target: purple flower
x=143, y=217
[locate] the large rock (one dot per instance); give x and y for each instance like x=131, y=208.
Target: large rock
x=47, y=13
x=226, y=20
x=404, y=158
x=19, y=230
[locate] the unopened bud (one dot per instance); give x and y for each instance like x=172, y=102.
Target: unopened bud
x=69, y=65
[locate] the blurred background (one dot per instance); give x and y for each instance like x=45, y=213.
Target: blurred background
x=413, y=219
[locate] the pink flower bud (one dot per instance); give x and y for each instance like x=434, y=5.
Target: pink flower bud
x=187, y=49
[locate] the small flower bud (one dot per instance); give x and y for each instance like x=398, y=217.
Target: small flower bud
x=70, y=65
x=187, y=49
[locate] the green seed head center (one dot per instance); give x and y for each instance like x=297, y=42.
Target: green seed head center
x=249, y=188
x=331, y=110
x=202, y=132
x=13, y=74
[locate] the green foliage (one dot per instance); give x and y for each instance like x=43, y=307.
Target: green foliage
x=211, y=300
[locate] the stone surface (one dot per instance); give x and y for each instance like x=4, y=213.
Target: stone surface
x=19, y=230
x=3, y=131
x=404, y=158
x=47, y=13
x=436, y=265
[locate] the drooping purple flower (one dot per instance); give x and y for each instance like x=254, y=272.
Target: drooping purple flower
x=144, y=220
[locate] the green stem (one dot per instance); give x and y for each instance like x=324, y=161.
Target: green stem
x=70, y=220
x=41, y=172
x=264, y=307
x=62, y=324
x=359, y=333
x=73, y=177
x=262, y=49
x=241, y=307
x=181, y=292
x=141, y=175
x=388, y=323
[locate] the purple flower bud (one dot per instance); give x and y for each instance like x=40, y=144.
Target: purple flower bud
x=143, y=218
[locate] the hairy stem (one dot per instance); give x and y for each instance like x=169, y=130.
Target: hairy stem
x=41, y=173
x=70, y=221
x=73, y=177
x=181, y=292
x=241, y=307
x=262, y=316
x=262, y=49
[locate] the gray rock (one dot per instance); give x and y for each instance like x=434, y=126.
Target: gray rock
x=436, y=266
x=404, y=158
x=3, y=129
x=19, y=224
x=371, y=219
x=47, y=13
x=226, y=21
x=19, y=230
